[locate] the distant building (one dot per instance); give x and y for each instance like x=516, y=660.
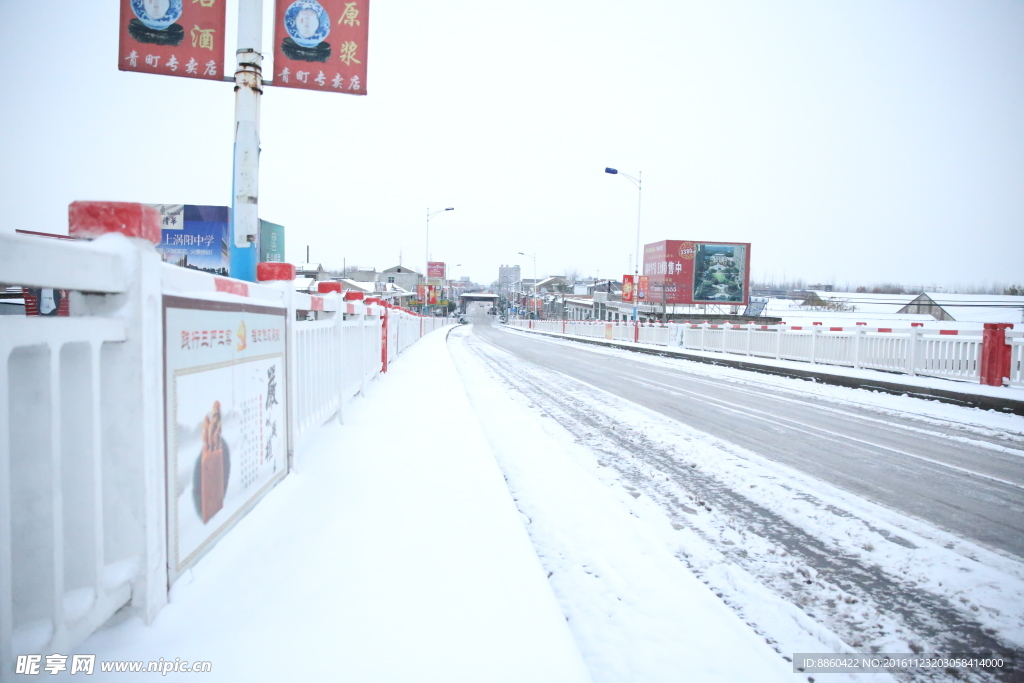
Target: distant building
x=401, y=276
x=506, y=276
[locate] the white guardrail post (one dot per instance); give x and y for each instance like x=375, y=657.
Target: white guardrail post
x=82, y=507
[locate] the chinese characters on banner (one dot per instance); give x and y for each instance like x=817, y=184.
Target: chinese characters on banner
x=321, y=45
x=435, y=269
x=432, y=294
x=627, y=289
x=173, y=37
x=226, y=429
x=698, y=272
x=641, y=288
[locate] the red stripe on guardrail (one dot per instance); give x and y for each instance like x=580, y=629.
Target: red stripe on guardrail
x=835, y=329
x=885, y=329
x=949, y=331
x=238, y=287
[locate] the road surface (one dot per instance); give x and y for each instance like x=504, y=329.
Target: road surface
x=958, y=476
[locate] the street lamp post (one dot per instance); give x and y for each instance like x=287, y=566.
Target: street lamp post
x=534, y=257
x=426, y=263
x=638, y=181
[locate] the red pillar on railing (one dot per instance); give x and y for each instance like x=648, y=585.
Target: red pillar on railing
x=995, y=354
x=327, y=287
x=92, y=219
x=274, y=271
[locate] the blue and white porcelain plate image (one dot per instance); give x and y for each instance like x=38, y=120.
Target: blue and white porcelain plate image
x=157, y=14
x=307, y=23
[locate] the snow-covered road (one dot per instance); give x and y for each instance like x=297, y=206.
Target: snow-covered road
x=820, y=514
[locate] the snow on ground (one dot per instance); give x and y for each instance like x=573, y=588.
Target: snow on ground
x=917, y=557
x=618, y=563
x=395, y=553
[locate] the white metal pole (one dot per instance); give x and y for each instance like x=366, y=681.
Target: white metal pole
x=245, y=223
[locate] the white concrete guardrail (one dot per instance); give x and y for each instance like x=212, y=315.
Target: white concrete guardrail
x=994, y=355
x=136, y=431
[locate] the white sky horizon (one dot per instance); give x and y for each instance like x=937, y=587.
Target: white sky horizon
x=853, y=143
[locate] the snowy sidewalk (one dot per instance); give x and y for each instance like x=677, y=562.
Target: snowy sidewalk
x=395, y=553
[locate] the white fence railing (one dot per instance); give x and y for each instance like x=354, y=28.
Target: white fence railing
x=953, y=353
x=1016, y=342
x=83, y=475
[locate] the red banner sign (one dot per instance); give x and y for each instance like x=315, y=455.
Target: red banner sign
x=421, y=292
x=698, y=272
x=173, y=37
x=641, y=287
x=321, y=45
x=435, y=269
x=433, y=295
x=627, y=289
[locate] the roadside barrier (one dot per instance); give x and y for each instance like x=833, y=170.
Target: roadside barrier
x=137, y=431
x=993, y=356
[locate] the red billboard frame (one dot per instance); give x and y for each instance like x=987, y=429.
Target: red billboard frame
x=671, y=268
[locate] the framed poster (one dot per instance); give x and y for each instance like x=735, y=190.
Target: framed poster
x=226, y=422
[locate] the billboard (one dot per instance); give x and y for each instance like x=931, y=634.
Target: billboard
x=627, y=289
x=271, y=242
x=226, y=428
x=435, y=269
x=195, y=236
x=321, y=45
x=689, y=272
x=173, y=38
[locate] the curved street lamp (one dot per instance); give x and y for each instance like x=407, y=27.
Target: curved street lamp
x=638, y=181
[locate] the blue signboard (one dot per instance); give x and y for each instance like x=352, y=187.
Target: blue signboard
x=195, y=236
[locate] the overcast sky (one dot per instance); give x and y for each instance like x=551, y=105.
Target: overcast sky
x=858, y=141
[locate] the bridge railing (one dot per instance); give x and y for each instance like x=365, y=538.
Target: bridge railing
x=87, y=429
x=947, y=353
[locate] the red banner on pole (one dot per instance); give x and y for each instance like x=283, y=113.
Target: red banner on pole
x=173, y=37
x=321, y=45
x=433, y=295
x=627, y=289
x=421, y=293
x=435, y=269
x=641, y=288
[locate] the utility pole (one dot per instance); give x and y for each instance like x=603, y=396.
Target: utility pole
x=245, y=219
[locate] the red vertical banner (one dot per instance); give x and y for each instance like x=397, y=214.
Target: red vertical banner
x=642, y=288
x=433, y=295
x=627, y=289
x=421, y=293
x=321, y=45
x=173, y=37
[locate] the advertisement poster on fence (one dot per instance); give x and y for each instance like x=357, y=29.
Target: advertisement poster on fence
x=321, y=45
x=684, y=272
x=226, y=424
x=627, y=289
x=173, y=38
